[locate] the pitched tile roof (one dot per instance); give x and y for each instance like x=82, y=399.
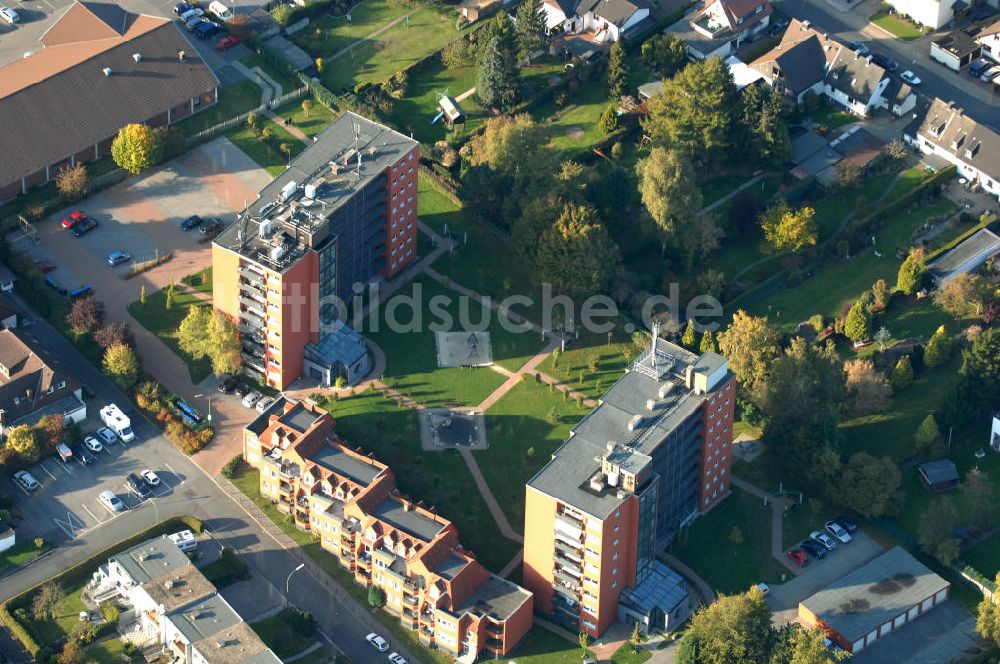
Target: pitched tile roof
x=991, y=30
x=60, y=100
x=956, y=133
x=802, y=57
x=27, y=372
x=854, y=75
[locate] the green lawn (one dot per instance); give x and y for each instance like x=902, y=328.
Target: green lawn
x=800, y=520
x=896, y=25
x=579, y=359
x=318, y=119
x=625, y=655
x=379, y=426
x=278, y=633
x=413, y=113
x=730, y=568
x=375, y=60
x=200, y=281
x=267, y=154
x=234, y=99
x=67, y=617
x=519, y=422
x=842, y=281
x=248, y=481
x=411, y=357
x=575, y=126
x=109, y=651
x=278, y=75
x=985, y=557
x=155, y=317
x=19, y=554
x=541, y=646
x=831, y=116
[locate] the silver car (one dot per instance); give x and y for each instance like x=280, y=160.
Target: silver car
x=252, y=398
x=26, y=480
x=9, y=15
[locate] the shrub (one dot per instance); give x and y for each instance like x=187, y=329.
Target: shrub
x=233, y=466
x=302, y=623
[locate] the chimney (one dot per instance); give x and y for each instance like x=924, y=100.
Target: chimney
x=180, y=55
x=27, y=394
x=107, y=71
x=137, y=57
x=689, y=376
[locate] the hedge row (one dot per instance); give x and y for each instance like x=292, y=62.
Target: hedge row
x=83, y=570
x=873, y=219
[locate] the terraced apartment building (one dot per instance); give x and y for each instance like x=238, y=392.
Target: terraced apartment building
x=343, y=213
x=351, y=503
x=648, y=460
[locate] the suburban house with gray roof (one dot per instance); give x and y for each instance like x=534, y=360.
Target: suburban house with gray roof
x=606, y=20
x=32, y=387
x=989, y=39
x=946, y=132
x=97, y=69
x=721, y=27
x=807, y=60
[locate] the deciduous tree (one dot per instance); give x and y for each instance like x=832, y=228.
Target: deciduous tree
x=307, y=106
x=225, y=345
x=978, y=492
x=576, y=255
x=50, y=431
x=707, y=343
x=696, y=111
x=963, y=295
x=788, y=230
x=689, y=337
x=988, y=619
x=870, y=486
x=192, y=335
x=867, y=388
x=751, y=346
x=72, y=652
x=936, y=530
x=122, y=364
x=23, y=441
x=85, y=315
x=669, y=192
x=71, y=182
x=282, y=14
x=136, y=148
x=114, y=333
x=735, y=629
x=43, y=604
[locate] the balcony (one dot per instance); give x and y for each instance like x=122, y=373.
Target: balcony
x=251, y=270
x=410, y=600
x=252, y=291
x=252, y=318
x=409, y=615
x=252, y=362
x=707, y=26
x=495, y=644
x=567, y=581
x=252, y=306
x=569, y=552
x=573, y=563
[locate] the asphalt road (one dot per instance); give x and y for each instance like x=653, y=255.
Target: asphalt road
x=967, y=92
x=341, y=620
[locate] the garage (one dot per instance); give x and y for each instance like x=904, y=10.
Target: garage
x=874, y=600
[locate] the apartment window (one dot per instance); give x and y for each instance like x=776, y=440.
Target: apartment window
x=615, y=544
x=614, y=584
x=266, y=485
x=618, y=527
x=708, y=485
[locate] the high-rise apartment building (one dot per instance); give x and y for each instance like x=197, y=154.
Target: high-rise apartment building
x=653, y=455
x=350, y=502
x=343, y=213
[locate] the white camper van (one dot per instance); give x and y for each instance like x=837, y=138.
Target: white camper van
x=220, y=10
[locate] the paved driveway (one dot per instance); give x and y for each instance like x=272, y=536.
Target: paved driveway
x=784, y=598
x=142, y=216
x=942, y=635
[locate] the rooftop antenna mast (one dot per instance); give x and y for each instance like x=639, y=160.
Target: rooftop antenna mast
x=357, y=145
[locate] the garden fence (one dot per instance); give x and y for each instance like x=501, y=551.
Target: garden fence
x=94, y=185
x=214, y=130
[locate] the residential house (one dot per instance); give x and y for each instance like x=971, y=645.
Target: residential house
x=350, y=502
x=721, y=27
x=177, y=608
x=945, y=131
x=939, y=475
x=606, y=20
x=32, y=387
x=989, y=39
x=808, y=61
x=956, y=49
x=97, y=69
x=931, y=13
x=967, y=257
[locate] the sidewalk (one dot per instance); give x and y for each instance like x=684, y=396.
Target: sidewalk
x=778, y=505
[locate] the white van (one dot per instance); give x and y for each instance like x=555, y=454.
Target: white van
x=220, y=10
x=185, y=540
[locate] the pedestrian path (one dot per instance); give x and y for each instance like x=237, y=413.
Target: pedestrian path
x=778, y=506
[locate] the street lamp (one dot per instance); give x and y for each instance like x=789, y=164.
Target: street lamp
x=209, y=397
x=2, y=413
x=289, y=580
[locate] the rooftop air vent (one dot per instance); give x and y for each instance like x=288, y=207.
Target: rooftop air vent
x=634, y=423
x=107, y=71
x=137, y=57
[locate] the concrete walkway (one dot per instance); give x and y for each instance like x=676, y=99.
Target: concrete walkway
x=778, y=506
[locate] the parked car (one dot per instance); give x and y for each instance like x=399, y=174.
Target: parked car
x=251, y=399
x=73, y=219
x=858, y=47
x=226, y=43
x=977, y=67
x=45, y=266
x=107, y=436
x=206, y=29
x=152, y=479
x=93, y=444
x=763, y=588
x=191, y=13
x=377, y=642
x=81, y=291
x=884, y=61
x=112, y=502
x=9, y=15
x=241, y=389
x=264, y=404
x=990, y=74
x=798, y=556
x=847, y=524
x=51, y=283
x=396, y=658
x=118, y=257
x=26, y=480
x=813, y=548
x=194, y=22
x=838, y=532
x=192, y=222
x=182, y=7
x=138, y=486
x=209, y=226
x=84, y=227
x=227, y=385
x=824, y=539
x=910, y=77
x=82, y=455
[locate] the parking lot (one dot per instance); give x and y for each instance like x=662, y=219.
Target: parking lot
x=66, y=505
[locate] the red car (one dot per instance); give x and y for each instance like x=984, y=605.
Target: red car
x=73, y=219
x=226, y=43
x=798, y=556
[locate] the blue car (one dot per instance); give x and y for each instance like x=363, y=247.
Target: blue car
x=118, y=258
x=82, y=291
x=206, y=30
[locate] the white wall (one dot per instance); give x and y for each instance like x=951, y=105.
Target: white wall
x=991, y=183
x=7, y=540
x=991, y=47
x=995, y=434
x=932, y=13
x=944, y=57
